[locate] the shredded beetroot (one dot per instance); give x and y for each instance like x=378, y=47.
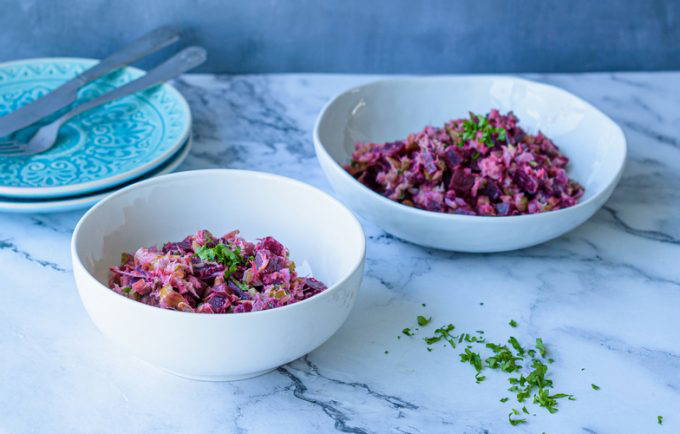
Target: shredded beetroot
x=213, y=275
x=484, y=165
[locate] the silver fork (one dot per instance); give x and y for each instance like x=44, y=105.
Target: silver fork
x=46, y=136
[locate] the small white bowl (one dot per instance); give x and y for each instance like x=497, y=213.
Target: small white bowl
x=389, y=110
x=316, y=228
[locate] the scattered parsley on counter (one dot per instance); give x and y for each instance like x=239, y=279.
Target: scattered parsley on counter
x=595, y=386
x=422, y=321
x=472, y=358
x=515, y=422
x=540, y=347
x=530, y=379
x=659, y=420
x=515, y=344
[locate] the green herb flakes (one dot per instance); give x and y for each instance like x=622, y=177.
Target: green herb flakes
x=540, y=347
x=595, y=386
x=422, y=321
x=472, y=358
x=478, y=128
x=530, y=381
x=659, y=420
x=222, y=254
x=515, y=422
x=515, y=344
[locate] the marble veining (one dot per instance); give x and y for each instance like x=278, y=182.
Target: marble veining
x=605, y=298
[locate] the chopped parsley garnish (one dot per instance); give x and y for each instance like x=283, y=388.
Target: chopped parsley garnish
x=540, y=347
x=515, y=344
x=659, y=420
x=479, y=128
x=595, y=386
x=531, y=373
x=515, y=422
x=502, y=359
x=422, y=321
x=443, y=332
x=472, y=358
x=222, y=254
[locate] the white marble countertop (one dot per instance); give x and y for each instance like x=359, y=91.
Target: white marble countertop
x=605, y=298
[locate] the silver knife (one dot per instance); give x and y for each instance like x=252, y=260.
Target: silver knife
x=68, y=92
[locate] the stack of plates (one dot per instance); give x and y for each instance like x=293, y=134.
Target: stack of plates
x=100, y=151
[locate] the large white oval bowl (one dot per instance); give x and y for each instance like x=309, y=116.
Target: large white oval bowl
x=389, y=110
x=318, y=230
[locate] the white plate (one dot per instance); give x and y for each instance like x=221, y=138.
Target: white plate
x=388, y=110
x=10, y=205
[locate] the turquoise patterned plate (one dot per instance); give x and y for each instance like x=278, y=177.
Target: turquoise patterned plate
x=99, y=149
x=63, y=204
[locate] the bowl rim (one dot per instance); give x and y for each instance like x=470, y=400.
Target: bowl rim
x=206, y=172
x=320, y=148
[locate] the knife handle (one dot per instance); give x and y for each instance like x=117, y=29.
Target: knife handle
x=180, y=63
x=147, y=44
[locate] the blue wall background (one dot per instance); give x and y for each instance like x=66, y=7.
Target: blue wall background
x=398, y=36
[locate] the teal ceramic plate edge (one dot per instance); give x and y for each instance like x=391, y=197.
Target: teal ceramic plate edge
x=107, y=182
x=50, y=206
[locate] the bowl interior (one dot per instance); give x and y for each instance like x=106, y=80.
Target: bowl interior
x=322, y=235
x=389, y=110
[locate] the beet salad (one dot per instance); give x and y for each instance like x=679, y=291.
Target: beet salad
x=206, y=274
x=481, y=165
